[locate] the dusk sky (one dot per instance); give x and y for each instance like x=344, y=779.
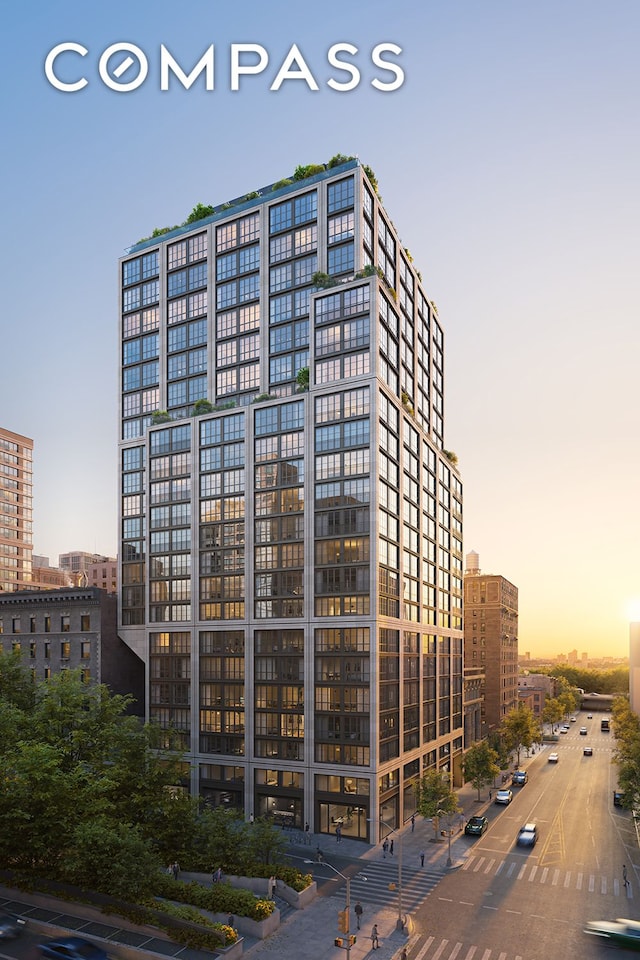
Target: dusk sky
x=508, y=160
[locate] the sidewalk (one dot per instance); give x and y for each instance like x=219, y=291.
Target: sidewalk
x=309, y=934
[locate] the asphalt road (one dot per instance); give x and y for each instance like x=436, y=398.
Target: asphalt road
x=506, y=902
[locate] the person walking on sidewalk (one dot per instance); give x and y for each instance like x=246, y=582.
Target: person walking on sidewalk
x=358, y=912
x=413, y=822
x=385, y=847
x=422, y=858
x=391, y=847
x=374, y=937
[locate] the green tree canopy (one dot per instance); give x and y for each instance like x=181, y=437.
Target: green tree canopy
x=480, y=765
x=434, y=796
x=520, y=729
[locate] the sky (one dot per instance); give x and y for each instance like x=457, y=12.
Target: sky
x=508, y=159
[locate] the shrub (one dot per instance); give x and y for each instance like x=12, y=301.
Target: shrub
x=199, y=212
x=302, y=172
x=282, y=183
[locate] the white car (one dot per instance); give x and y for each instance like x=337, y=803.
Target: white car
x=503, y=796
x=553, y=758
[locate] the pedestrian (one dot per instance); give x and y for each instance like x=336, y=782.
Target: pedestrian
x=422, y=858
x=251, y=818
x=403, y=955
x=391, y=847
x=319, y=854
x=338, y=833
x=624, y=874
x=358, y=912
x=307, y=838
x=490, y=794
x=413, y=822
x=272, y=888
x=175, y=869
x=385, y=847
x=374, y=937
x=230, y=921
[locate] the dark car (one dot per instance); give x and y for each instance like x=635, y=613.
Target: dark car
x=588, y=751
x=620, y=932
x=10, y=925
x=476, y=826
x=583, y=731
x=71, y=948
x=617, y=798
x=527, y=835
x=519, y=778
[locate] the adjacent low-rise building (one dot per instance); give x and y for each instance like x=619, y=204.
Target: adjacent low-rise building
x=68, y=629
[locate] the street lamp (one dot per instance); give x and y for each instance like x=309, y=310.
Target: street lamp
x=347, y=906
x=400, y=920
x=444, y=813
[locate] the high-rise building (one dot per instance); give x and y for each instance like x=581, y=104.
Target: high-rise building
x=291, y=525
x=491, y=638
x=16, y=491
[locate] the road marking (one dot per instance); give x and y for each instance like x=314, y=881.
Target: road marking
x=485, y=906
x=533, y=872
x=616, y=888
x=466, y=903
x=519, y=912
x=545, y=871
x=512, y=867
x=556, y=877
x=486, y=955
x=424, y=949
x=567, y=879
x=603, y=885
x=522, y=871
x=592, y=883
x=470, y=953
x=501, y=865
x=467, y=863
x=579, y=882
x=478, y=864
x=490, y=865
x=440, y=950
x=456, y=950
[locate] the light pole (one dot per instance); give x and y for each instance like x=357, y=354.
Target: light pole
x=443, y=813
x=400, y=921
x=347, y=906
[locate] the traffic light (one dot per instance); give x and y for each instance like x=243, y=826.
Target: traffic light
x=352, y=940
x=343, y=921
x=338, y=942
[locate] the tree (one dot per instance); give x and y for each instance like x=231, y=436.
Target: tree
x=520, y=729
x=113, y=858
x=200, y=211
x=552, y=712
x=265, y=844
x=434, y=796
x=480, y=765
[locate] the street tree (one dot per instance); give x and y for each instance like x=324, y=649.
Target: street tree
x=435, y=797
x=480, y=765
x=520, y=729
x=552, y=712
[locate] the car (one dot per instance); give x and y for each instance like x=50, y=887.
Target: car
x=573, y=719
x=589, y=716
x=553, y=758
x=519, y=778
x=503, y=796
x=527, y=835
x=587, y=752
x=71, y=948
x=583, y=731
x=617, y=798
x=564, y=729
x=10, y=925
x=476, y=826
x=620, y=932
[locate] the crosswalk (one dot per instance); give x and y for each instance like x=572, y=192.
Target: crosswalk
x=378, y=884
x=434, y=948
x=516, y=870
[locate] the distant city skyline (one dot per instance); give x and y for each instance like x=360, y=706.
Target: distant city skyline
x=519, y=156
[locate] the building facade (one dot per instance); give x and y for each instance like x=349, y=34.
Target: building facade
x=291, y=526
x=491, y=638
x=71, y=629
x=16, y=493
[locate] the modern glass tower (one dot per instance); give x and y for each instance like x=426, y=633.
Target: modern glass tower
x=291, y=526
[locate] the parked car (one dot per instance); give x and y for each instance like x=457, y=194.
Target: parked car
x=11, y=925
x=583, y=731
x=564, y=729
x=503, y=796
x=588, y=751
x=573, y=719
x=71, y=948
x=519, y=778
x=589, y=716
x=553, y=758
x=620, y=932
x=527, y=835
x=476, y=826
x=617, y=798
